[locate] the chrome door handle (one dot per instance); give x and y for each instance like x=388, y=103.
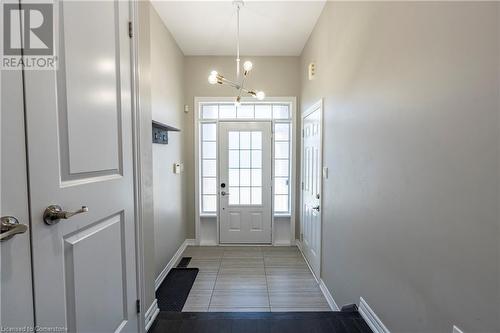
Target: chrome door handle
x=10, y=227
x=224, y=193
x=316, y=208
x=54, y=213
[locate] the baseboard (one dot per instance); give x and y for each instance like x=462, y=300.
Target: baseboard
x=328, y=296
x=371, y=318
x=151, y=314
x=173, y=261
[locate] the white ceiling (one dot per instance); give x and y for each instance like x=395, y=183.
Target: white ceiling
x=270, y=28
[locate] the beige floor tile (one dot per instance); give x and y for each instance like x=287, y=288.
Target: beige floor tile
x=292, y=283
x=198, y=299
x=205, y=265
x=288, y=271
x=249, y=271
x=222, y=309
x=204, y=281
x=242, y=262
x=188, y=308
x=303, y=309
x=203, y=252
x=241, y=282
x=284, y=262
x=239, y=299
x=297, y=299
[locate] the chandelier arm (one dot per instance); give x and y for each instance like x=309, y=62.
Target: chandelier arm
x=237, y=41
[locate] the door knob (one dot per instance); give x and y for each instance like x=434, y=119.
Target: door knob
x=54, y=213
x=10, y=227
x=316, y=208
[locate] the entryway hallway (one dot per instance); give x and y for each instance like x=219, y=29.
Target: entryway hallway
x=252, y=278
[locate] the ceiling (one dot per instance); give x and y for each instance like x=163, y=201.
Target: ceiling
x=267, y=28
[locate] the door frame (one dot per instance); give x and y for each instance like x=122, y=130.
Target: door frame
x=198, y=101
x=316, y=106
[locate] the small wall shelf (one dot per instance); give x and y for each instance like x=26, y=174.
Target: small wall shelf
x=160, y=132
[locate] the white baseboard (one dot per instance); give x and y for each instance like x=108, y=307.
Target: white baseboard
x=151, y=314
x=173, y=261
x=371, y=318
x=328, y=296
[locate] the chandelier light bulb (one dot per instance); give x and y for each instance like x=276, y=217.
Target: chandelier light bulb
x=247, y=66
x=260, y=95
x=237, y=102
x=212, y=78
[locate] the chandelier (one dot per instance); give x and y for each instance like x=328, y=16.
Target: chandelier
x=216, y=78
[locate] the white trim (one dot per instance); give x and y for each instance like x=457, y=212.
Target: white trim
x=328, y=296
x=371, y=318
x=173, y=261
x=298, y=243
x=457, y=330
x=151, y=314
x=293, y=158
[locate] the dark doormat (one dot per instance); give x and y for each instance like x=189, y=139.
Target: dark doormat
x=175, y=289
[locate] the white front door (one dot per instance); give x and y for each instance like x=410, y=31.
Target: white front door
x=79, y=132
x=245, y=182
x=311, y=189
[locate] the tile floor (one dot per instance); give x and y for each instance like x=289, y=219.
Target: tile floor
x=252, y=278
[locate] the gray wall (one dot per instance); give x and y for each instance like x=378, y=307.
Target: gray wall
x=277, y=76
x=411, y=137
x=167, y=104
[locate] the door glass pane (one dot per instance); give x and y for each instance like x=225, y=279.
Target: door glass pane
x=256, y=158
x=209, y=111
x=281, y=112
x=282, y=132
x=281, y=150
x=234, y=140
x=209, y=186
x=209, y=168
x=209, y=132
x=256, y=140
x=234, y=158
x=244, y=177
x=245, y=196
x=209, y=150
x=234, y=177
x=244, y=158
x=227, y=111
x=256, y=177
x=245, y=111
x=263, y=111
x=281, y=168
x=256, y=196
x=244, y=140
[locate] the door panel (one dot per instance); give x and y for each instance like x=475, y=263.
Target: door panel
x=311, y=192
x=80, y=152
x=245, y=170
x=16, y=299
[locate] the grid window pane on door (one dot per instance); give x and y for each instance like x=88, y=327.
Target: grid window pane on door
x=209, y=167
x=245, y=167
x=282, y=147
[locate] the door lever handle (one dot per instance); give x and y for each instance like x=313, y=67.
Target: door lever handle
x=54, y=213
x=10, y=227
x=316, y=208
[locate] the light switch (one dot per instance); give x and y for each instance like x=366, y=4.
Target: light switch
x=178, y=168
x=325, y=172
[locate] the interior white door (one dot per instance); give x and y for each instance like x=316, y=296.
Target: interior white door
x=245, y=182
x=311, y=188
x=16, y=299
x=79, y=132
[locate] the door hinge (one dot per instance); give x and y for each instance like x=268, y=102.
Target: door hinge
x=130, y=31
x=302, y=185
x=301, y=237
x=302, y=132
x=138, y=306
